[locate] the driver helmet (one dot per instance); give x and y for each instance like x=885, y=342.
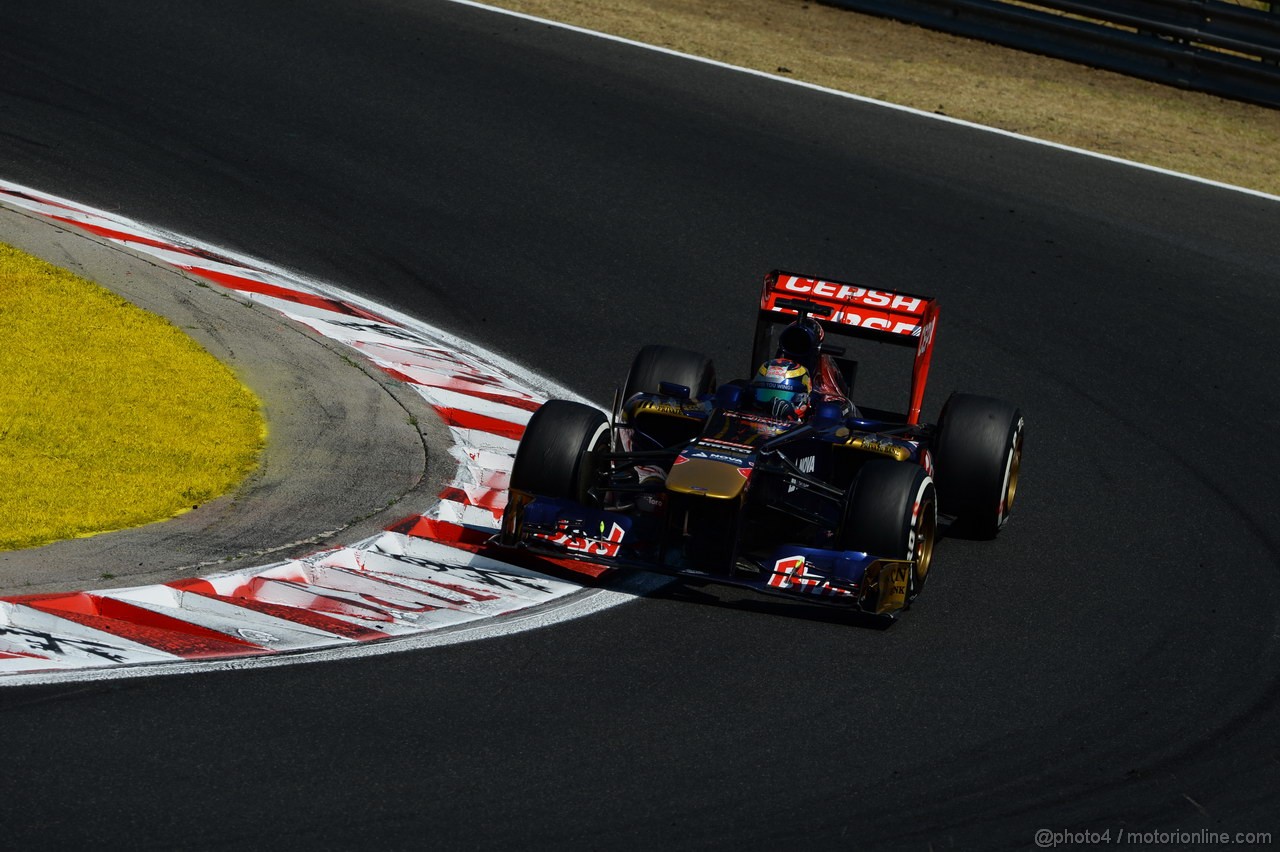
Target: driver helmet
x=782, y=387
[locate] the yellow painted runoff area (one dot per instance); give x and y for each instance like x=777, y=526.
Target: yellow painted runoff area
x=110, y=417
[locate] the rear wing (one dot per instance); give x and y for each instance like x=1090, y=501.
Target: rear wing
x=886, y=316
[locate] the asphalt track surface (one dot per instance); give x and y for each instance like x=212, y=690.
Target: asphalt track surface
x=1109, y=662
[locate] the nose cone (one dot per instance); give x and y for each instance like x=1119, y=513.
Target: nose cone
x=707, y=478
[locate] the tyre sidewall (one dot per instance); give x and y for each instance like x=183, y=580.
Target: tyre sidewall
x=881, y=513
x=979, y=439
x=552, y=460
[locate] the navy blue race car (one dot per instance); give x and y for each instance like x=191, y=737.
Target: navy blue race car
x=779, y=482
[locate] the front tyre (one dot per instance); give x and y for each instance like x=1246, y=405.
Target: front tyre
x=892, y=512
x=977, y=460
x=552, y=459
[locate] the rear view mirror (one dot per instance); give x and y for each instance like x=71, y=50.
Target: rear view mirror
x=673, y=389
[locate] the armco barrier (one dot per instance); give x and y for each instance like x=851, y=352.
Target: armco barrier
x=1204, y=45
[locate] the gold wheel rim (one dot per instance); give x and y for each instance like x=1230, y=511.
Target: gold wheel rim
x=926, y=532
x=1015, y=464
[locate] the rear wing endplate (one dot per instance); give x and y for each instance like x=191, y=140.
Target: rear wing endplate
x=886, y=316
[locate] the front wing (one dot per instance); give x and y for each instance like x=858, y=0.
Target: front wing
x=563, y=529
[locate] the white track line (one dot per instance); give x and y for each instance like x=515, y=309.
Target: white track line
x=580, y=605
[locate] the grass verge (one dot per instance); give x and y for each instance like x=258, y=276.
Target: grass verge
x=110, y=417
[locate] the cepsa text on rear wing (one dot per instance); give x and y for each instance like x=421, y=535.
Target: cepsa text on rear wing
x=888, y=316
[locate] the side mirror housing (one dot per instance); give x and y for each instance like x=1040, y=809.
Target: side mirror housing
x=673, y=389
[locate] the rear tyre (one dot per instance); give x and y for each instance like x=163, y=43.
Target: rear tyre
x=892, y=512
x=552, y=459
x=656, y=364
x=977, y=459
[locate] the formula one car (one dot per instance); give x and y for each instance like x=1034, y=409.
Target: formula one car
x=779, y=483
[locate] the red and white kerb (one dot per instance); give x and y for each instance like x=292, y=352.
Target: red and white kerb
x=420, y=575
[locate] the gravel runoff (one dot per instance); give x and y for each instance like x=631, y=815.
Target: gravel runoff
x=347, y=450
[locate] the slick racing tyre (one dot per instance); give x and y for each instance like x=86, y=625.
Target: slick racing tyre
x=892, y=512
x=656, y=364
x=977, y=459
x=552, y=459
